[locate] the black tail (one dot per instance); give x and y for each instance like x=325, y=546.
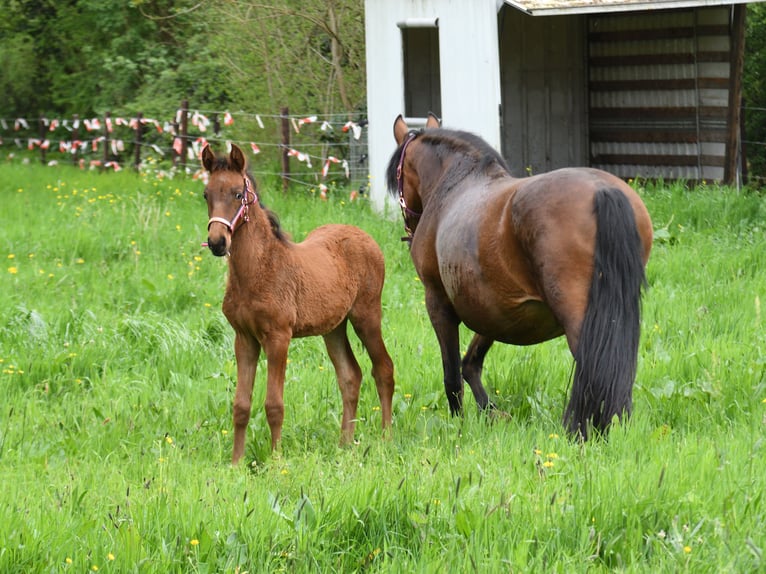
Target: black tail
x=606, y=354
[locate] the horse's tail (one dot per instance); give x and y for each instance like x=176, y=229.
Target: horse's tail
x=607, y=349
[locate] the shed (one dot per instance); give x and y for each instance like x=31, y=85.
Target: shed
x=647, y=89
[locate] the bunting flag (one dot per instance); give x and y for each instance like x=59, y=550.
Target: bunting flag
x=323, y=191
x=255, y=148
x=227, y=119
x=326, y=168
x=258, y=119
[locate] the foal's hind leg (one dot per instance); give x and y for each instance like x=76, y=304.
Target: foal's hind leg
x=472, y=365
x=349, y=376
x=367, y=328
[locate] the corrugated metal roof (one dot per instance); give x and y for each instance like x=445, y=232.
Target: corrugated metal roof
x=554, y=7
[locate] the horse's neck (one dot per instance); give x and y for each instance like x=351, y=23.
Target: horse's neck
x=254, y=247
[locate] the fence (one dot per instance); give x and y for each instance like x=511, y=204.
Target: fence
x=314, y=151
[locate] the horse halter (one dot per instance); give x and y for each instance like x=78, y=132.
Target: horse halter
x=241, y=212
x=406, y=211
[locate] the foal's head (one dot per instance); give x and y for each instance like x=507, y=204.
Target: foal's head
x=229, y=193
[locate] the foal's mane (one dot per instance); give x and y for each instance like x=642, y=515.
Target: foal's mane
x=479, y=155
x=222, y=163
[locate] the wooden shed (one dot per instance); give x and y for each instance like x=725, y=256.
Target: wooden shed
x=639, y=88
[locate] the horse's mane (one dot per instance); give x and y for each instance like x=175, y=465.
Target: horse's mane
x=480, y=155
x=222, y=163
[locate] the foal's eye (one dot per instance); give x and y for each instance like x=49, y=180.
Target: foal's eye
x=238, y=196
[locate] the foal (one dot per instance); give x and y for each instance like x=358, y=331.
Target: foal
x=278, y=290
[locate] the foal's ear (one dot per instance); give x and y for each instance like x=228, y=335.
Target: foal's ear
x=400, y=129
x=237, y=158
x=433, y=121
x=208, y=158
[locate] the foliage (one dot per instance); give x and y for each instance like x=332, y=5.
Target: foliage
x=117, y=373
x=91, y=56
x=754, y=88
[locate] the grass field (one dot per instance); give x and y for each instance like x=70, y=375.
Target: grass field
x=117, y=372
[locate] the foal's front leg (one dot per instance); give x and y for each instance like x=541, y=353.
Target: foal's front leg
x=246, y=350
x=445, y=323
x=276, y=345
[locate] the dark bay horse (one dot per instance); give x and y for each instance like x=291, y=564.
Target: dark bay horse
x=278, y=289
x=522, y=261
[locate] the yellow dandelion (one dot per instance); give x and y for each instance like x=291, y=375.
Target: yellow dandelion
x=552, y=455
x=553, y=435
x=80, y=261
x=169, y=439
x=376, y=408
x=11, y=256
x=194, y=542
x=110, y=556
x=68, y=560
x=538, y=452
x=13, y=270
x=94, y=568
x=687, y=549
x=171, y=276
x=224, y=432
x=284, y=471
x=548, y=464
x=407, y=395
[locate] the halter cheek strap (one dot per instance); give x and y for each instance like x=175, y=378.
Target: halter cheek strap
x=406, y=211
x=242, y=212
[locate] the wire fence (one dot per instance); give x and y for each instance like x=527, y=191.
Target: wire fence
x=313, y=151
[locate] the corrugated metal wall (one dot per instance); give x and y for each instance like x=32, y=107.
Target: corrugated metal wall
x=659, y=93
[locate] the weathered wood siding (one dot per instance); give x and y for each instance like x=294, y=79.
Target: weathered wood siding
x=544, y=91
x=659, y=86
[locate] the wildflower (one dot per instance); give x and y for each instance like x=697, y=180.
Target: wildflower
x=224, y=432
x=407, y=395
x=11, y=256
x=687, y=549
x=553, y=435
x=548, y=464
x=80, y=261
x=171, y=276
x=13, y=270
x=169, y=439
x=68, y=560
x=552, y=455
x=94, y=568
x=284, y=472
x=194, y=542
x=110, y=556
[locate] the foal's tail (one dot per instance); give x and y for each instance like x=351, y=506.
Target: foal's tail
x=606, y=354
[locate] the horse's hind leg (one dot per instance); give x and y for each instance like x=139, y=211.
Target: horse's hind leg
x=472, y=365
x=368, y=330
x=349, y=376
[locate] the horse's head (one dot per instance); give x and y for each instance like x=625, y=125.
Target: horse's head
x=404, y=181
x=229, y=193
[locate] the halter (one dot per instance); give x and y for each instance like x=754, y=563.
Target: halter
x=406, y=211
x=241, y=212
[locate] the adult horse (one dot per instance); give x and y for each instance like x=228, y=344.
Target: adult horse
x=278, y=290
x=523, y=261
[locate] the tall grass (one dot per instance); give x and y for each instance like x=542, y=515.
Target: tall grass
x=117, y=374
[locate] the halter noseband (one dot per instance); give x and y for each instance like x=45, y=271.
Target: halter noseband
x=241, y=212
x=406, y=211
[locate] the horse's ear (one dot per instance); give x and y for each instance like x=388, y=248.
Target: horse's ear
x=433, y=121
x=237, y=158
x=208, y=158
x=400, y=129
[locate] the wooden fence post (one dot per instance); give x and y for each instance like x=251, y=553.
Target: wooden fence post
x=42, y=128
x=75, y=138
x=137, y=140
x=184, y=131
x=285, y=149
x=107, y=123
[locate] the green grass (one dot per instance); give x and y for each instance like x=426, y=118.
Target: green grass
x=117, y=373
